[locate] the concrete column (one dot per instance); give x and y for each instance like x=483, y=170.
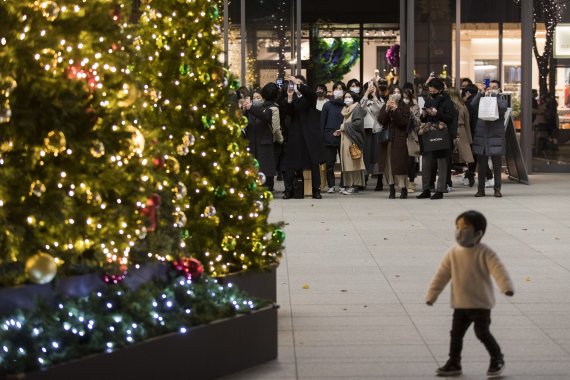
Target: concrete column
x=526, y=85
x=299, y=63
x=501, y=70
x=243, y=39
x=410, y=40
x=403, y=43
x=457, y=72
x=226, y=34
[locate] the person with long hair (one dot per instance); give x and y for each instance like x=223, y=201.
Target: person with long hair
x=395, y=116
x=463, y=141
x=352, y=132
x=413, y=124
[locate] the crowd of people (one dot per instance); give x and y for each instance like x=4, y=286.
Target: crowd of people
x=375, y=129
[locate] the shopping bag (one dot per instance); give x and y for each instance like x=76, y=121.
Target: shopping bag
x=437, y=139
x=298, y=186
x=413, y=144
x=488, y=108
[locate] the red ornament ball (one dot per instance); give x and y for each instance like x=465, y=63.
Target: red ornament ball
x=190, y=267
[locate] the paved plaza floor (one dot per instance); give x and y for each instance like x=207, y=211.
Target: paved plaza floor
x=354, y=274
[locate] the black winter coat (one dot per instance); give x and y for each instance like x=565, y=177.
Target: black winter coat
x=489, y=137
x=446, y=113
x=331, y=119
x=260, y=135
x=305, y=146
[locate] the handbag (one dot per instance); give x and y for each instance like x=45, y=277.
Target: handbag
x=355, y=151
x=436, y=139
x=298, y=186
x=384, y=135
x=488, y=108
x=413, y=144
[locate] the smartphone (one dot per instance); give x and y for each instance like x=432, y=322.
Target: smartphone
x=279, y=82
x=432, y=74
x=291, y=86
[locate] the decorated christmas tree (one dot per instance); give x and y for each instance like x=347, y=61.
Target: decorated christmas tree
x=119, y=146
x=213, y=205
x=70, y=151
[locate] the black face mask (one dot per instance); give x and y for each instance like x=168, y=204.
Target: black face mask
x=320, y=93
x=435, y=95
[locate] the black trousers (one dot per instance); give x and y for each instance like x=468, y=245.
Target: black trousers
x=332, y=151
x=482, y=167
x=462, y=319
x=315, y=178
x=472, y=167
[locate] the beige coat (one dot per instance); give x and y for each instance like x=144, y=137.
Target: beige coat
x=470, y=271
x=346, y=161
x=464, y=134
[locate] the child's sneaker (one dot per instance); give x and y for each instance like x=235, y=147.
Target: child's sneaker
x=496, y=367
x=449, y=369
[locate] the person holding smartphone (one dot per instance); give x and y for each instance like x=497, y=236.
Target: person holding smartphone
x=439, y=108
x=305, y=149
x=393, y=161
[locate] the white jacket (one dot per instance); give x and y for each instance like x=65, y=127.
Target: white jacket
x=470, y=271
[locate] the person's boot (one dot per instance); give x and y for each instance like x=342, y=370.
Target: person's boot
x=470, y=177
x=404, y=194
x=379, y=184
x=451, y=368
x=424, y=194
x=480, y=193
x=317, y=194
x=437, y=195
x=392, y=192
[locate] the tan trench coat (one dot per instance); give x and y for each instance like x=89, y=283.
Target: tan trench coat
x=464, y=135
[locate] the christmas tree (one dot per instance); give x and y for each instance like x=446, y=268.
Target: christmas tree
x=213, y=206
x=119, y=146
x=70, y=151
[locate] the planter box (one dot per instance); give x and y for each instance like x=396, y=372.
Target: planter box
x=205, y=352
x=257, y=284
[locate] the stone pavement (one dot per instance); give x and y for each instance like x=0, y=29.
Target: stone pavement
x=352, y=281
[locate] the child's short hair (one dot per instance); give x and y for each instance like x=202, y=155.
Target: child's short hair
x=475, y=219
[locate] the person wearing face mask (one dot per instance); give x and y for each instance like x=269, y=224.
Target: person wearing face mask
x=321, y=91
x=393, y=161
x=413, y=124
x=305, y=147
x=437, y=109
x=331, y=119
x=354, y=86
x=352, y=132
x=489, y=141
x=470, y=265
x=372, y=104
x=263, y=124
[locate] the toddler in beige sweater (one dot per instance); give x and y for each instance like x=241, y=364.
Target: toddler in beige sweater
x=469, y=265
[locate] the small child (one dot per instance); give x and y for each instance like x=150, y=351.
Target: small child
x=469, y=265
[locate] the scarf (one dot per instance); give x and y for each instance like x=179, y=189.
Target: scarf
x=354, y=133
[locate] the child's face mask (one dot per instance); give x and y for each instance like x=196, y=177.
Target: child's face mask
x=465, y=234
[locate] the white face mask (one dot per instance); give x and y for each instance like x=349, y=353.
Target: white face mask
x=495, y=92
x=406, y=100
x=257, y=102
x=355, y=89
x=396, y=97
x=338, y=94
x=348, y=101
x=466, y=236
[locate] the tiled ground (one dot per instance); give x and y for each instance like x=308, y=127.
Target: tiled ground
x=352, y=281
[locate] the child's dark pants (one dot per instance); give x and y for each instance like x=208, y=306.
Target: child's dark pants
x=462, y=319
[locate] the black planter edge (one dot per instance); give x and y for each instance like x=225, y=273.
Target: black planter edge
x=259, y=284
x=205, y=352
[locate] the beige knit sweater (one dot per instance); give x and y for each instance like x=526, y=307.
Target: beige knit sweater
x=470, y=271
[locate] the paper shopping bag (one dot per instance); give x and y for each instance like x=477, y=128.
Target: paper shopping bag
x=488, y=108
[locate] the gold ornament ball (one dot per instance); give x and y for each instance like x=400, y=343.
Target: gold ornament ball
x=41, y=268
